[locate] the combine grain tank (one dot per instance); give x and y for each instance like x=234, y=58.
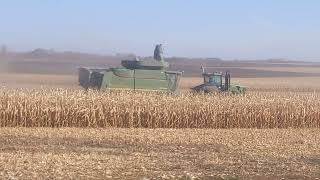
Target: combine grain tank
x=134, y=74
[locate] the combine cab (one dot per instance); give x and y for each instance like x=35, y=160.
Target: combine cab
x=218, y=82
x=135, y=74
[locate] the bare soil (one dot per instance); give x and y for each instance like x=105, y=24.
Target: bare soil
x=41, y=62
x=74, y=153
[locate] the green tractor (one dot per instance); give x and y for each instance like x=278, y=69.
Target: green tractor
x=218, y=82
x=135, y=75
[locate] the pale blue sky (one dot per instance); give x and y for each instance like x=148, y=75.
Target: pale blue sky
x=230, y=29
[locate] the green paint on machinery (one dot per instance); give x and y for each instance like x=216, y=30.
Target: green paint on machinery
x=135, y=74
x=218, y=82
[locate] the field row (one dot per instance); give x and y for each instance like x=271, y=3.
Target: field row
x=76, y=108
x=133, y=153
x=279, y=84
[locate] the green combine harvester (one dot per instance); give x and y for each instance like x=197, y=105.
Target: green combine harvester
x=135, y=75
x=213, y=82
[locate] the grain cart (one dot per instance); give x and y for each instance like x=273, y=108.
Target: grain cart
x=134, y=74
x=218, y=82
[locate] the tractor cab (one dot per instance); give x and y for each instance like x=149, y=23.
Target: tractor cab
x=214, y=79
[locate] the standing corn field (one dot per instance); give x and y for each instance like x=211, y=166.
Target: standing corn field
x=63, y=108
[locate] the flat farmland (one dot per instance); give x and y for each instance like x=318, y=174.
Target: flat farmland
x=52, y=129
x=38, y=81
x=275, y=84
x=52, y=81
x=115, y=153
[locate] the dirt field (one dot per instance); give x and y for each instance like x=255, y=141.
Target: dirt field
x=59, y=70
x=275, y=84
x=159, y=153
x=74, y=153
x=36, y=81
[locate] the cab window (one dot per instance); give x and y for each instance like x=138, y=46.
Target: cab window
x=215, y=80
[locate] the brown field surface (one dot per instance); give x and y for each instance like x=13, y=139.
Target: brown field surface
x=73, y=153
x=275, y=84
x=51, y=81
x=258, y=77
x=36, y=81
x=288, y=69
x=274, y=68
x=157, y=141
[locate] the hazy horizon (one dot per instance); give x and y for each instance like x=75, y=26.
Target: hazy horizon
x=229, y=30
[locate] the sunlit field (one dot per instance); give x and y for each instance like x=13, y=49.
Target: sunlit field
x=51, y=128
x=129, y=109
x=132, y=153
